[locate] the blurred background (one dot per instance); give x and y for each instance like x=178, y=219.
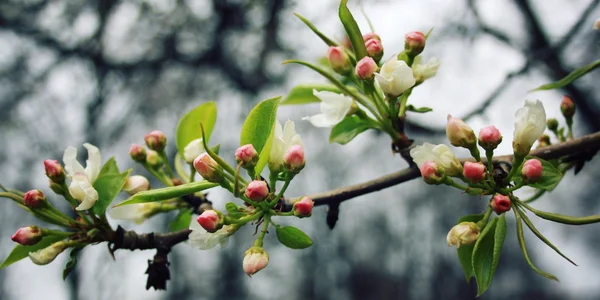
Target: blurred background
x=107, y=72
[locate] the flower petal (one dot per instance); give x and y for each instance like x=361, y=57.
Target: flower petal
x=72, y=166
x=193, y=150
x=93, y=163
x=81, y=189
x=322, y=120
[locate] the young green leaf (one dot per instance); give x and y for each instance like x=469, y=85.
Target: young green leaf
x=521, y=238
x=72, y=262
x=346, y=130
x=569, y=78
x=465, y=252
x=259, y=128
x=108, y=187
x=303, y=93
x=543, y=238
x=188, y=128
x=356, y=38
x=110, y=167
x=19, y=251
x=168, y=192
x=314, y=29
x=235, y=211
x=486, y=253
x=182, y=220
x=293, y=237
x=420, y=110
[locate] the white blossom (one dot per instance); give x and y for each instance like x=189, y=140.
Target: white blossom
x=334, y=108
x=283, y=139
x=422, y=72
x=137, y=213
x=82, y=180
x=202, y=239
x=193, y=150
x=395, y=77
x=530, y=123
x=441, y=154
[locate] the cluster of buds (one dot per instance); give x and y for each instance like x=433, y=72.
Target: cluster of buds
x=373, y=46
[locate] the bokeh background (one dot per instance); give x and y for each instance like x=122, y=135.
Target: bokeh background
x=107, y=72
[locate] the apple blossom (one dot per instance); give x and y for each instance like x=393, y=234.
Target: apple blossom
x=465, y=233
x=255, y=259
x=156, y=140
x=210, y=220
x=293, y=160
x=395, y=77
x=500, y=204
x=202, y=239
x=530, y=123
x=303, y=207
x=283, y=139
x=54, y=171
x=422, y=72
x=135, y=184
x=532, y=170
x=47, y=255
x=474, y=171
x=82, y=180
x=247, y=156
x=334, y=108
x=489, y=138
x=374, y=49
x=257, y=190
x=440, y=154
x=137, y=212
x=339, y=60
x=366, y=68
x=34, y=198
x=207, y=167
x=192, y=150
x=27, y=236
x=431, y=173
x=137, y=153
x=414, y=43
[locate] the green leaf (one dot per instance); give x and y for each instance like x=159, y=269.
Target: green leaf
x=346, y=130
x=543, y=238
x=235, y=211
x=420, y=110
x=465, y=252
x=356, y=38
x=188, y=128
x=569, y=78
x=168, y=192
x=293, y=237
x=314, y=29
x=19, y=251
x=303, y=93
x=72, y=262
x=486, y=253
x=182, y=220
x=259, y=128
x=108, y=187
x=110, y=167
x=551, y=176
x=521, y=238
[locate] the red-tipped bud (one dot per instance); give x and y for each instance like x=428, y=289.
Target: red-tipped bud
x=54, y=170
x=374, y=49
x=414, y=43
x=459, y=133
x=552, y=124
x=303, y=207
x=257, y=190
x=531, y=171
x=339, y=60
x=489, y=138
x=544, y=141
x=153, y=159
x=474, y=171
x=500, y=204
x=255, y=259
x=34, y=198
x=207, y=167
x=431, y=173
x=210, y=220
x=370, y=36
x=136, y=184
x=293, y=160
x=567, y=107
x=366, y=68
x=27, y=236
x=137, y=153
x=247, y=156
x=156, y=140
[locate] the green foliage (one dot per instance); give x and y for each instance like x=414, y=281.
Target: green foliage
x=521, y=239
x=293, y=237
x=259, y=128
x=314, y=29
x=569, y=78
x=19, y=251
x=486, y=253
x=182, y=220
x=303, y=93
x=356, y=38
x=346, y=130
x=188, y=128
x=465, y=252
x=420, y=110
x=235, y=211
x=168, y=192
x=108, y=187
x=72, y=262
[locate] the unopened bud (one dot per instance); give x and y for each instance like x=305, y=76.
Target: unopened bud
x=474, y=171
x=156, y=140
x=374, y=49
x=34, y=198
x=414, y=43
x=27, y=236
x=210, y=220
x=255, y=259
x=48, y=254
x=54, y=170
x=193, y=149
x=500, y=204
x=567, y=107
x=366, y=68
x=247, y=156
x=431, y=173
x=460, y=134
x=293, y=160
x=136, y=184
x=153, y=159
x=552, y=124
x=137, y=153
x=303, y=207
x=463, y=234
x=531, y=171
x=544, y=141
x=370, y=36
x=257, y=190
x=207, y=167
x=339, y=60
x=489, y=138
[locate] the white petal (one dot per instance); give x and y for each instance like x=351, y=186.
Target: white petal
x=72, y=166
x=133, y=212
x=289, y=131
x=203, y=240
x=81, y=189
x=93, y=163
x=322, y=120
x=193, y=150
x=403, y=78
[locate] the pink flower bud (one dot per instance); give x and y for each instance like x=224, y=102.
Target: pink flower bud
x=34, y=198
x=255, y=259
x=246, y=155
x=567, y=107
x=370, y=36
x=431, y=173
x=27, y=236
x=303, y=207
x=459, y=133
x=54, y=170
x=339, y=60
x=531, y=171
x=137, y=153
x=153, y=159
x=207, y=167
x=156, y=140
x=414, y=43
x=210, y=220
x=257, y=190
x=489, y=138
x=374, y=49
x=474, y=171
x=500, y=204
x=366, y=68
x=293, y=159
x=136, y=184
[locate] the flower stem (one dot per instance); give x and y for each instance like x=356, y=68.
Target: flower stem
x=259, y=240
